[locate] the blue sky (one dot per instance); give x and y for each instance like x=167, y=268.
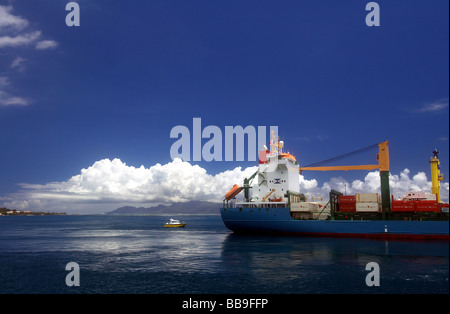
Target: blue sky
x=116, y=85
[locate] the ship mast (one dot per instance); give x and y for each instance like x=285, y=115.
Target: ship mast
x=274, y=146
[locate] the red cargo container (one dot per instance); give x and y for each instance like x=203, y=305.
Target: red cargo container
x=428, y=206
x=403, y=206
x=347, y=203
x=347, y=208
x=347, y=199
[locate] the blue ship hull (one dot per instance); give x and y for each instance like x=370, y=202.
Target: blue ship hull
x=279, y=221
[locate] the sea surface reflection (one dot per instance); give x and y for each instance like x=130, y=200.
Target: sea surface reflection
x=328, y=265
x=135, y=254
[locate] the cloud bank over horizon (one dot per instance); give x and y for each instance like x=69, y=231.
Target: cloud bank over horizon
x=110, y=183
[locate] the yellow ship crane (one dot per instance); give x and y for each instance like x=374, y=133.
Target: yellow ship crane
x=436, y=175
x=383, y=167
x=382, y=157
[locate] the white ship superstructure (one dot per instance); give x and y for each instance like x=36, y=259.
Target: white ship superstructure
x=278, y=173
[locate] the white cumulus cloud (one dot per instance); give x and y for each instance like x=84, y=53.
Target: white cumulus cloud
x=109, y=183
x=399, y=184
x=114, y=182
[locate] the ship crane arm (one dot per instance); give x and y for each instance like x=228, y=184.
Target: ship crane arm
x=382, y=157
x=265, y=197
x=383, y=167
x=343, y=168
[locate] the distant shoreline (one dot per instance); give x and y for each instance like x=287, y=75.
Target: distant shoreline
x=161, y=214
x=15, y=212
x=196, y=208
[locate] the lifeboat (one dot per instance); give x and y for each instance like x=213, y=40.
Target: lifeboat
x=275, y=199
x=287, y=155
x=235, y=190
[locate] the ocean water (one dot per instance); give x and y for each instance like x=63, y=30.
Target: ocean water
x=135, y=254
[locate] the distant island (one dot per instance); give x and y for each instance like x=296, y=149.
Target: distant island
x=14, y=212
x=191, y=207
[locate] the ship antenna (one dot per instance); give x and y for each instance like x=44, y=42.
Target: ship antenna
x=435, y=153
x=274, y=144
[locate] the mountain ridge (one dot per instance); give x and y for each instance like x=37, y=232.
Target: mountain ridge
x=190, y=207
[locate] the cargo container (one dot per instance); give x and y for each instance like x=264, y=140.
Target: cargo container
x=304, y=207
x=347, y=203
x=299, y=207
x=367, y=198
x=347, y=199
x=368, y=207
x=427, y=206
x=348, y=208
x=403, y=206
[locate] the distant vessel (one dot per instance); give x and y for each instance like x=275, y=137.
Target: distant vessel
x=174, y=223
x=278, y=207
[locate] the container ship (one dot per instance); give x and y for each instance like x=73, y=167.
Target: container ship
x=277, y=206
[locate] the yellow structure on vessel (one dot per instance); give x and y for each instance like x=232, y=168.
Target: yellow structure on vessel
x=436, y=175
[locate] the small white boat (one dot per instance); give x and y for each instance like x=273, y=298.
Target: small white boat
x=174, y=223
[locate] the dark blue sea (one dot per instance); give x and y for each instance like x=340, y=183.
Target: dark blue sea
x=135, y=254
